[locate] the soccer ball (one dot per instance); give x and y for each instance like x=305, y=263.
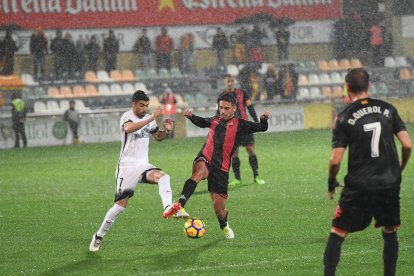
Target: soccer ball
x=194, y=228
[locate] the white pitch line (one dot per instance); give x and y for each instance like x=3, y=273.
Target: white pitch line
x=268, y=262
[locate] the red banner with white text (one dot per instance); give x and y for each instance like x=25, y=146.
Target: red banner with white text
x=83, y=14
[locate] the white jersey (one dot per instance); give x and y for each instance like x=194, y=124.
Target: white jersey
x=134, y=148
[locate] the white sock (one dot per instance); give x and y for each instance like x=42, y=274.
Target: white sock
x=109, y=219
x=164, y=189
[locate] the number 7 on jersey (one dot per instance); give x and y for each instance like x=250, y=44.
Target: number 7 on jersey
x=376, y=134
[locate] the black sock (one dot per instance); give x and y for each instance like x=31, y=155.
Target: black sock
x=332, y=254
x=254, y=164
x=188, y=189
x=390, y=253
x=235, y=163
x=223, y=221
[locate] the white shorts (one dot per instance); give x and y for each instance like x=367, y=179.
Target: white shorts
x=127, y=178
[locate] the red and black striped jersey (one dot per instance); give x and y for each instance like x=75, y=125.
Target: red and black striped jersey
x=367, y=127
x=224, y=137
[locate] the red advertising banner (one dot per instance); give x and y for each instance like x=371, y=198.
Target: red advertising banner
x=83, y=14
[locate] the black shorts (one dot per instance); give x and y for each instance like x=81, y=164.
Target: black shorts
x=357, y=208
x=217, y=179
x=247, y=139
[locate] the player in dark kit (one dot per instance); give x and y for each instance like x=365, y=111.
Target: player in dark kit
x=372, y=185
x=213, y=161
x=243, y=102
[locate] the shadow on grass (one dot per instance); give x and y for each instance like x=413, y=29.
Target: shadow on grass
x=91, y=260
x=174, y=261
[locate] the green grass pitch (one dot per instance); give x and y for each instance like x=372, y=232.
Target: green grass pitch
x=53, y=199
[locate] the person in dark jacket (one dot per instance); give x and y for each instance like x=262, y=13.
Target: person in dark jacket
x=7, y=49
x=110, y=50
x=38, y=49
x=92, y=50
x=57, y=47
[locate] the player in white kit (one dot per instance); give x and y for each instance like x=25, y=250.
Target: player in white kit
x=133, y=166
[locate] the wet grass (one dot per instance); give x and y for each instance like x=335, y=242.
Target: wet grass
x=53, y=199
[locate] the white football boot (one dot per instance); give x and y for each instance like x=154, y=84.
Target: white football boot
x=95, y=243
x=228, y=232
x=182, y=214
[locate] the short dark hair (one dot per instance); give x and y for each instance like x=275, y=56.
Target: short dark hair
x=357, y=80
x=228, y=97
x=229, y=76
x=140, y=95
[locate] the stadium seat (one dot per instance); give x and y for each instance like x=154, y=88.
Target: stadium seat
x=373, y=89
x=128, y=89
x=401, y=61
x=28, y=79
x=382, y=88
x=333, y=65
x=151, y=74
x=28, y=93
x=390, y=62
x=344, y=64
x=64, y=105
x=52, y=106
x=127, y=75
x=315, y=93
x=311, y=65
x=263, y=68
x=338, y=91
x=104, y=90
x=53, y=92
x=116, y=89
x=141, y=86
x=115, y=75
x=163, y=74
x=140, y=74
x=303, y=80
x=232, y=70
x=154, y=102
x=176, y=73
x=39, y=107
x=189, y=99
x=103, y=76
x=324, y=78
x=80, y=106
x=91, y=91
x=79, y=91
x=327, y=92
x=66, y=92
x=313, y=79
x=405, y=74
x=356, y=63
x=90, y=76
x=303, y=93
x=337, y=78
x=411, y=88
x=323, y=65
x=41, y=92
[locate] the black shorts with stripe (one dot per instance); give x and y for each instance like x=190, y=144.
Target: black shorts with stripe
x=217, y=180
x=247, y=139
x=357, y=208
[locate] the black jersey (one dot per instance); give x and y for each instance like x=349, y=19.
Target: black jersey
x=368, y=126
x=224, y=138
x=241, y=98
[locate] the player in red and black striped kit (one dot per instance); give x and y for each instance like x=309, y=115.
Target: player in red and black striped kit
x=244, y=104
x=214, y=159
x=372, y=185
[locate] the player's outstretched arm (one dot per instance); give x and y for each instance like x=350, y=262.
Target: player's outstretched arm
x=168, y=128
x=406, y=145
x=198, y=121
x=131, y=127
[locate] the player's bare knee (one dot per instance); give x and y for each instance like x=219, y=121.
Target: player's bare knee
x=389, y=229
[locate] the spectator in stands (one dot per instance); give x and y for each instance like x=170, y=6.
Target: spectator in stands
x=164, y=46
x=187, y=52
x=220, y=44
x=287, y=84
x=18, y=119
x=143, y=47
x=377, y=43
x=92, y=50
x=72, y=117
x=7, y=49
x=69, y=56
x=79, y=62
x=270, y=80
x=240, y=44
x=38, y=49
x=256, y=54
x=57, y=47
x=282, y=42
x=110, y=51
x=169, y=110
